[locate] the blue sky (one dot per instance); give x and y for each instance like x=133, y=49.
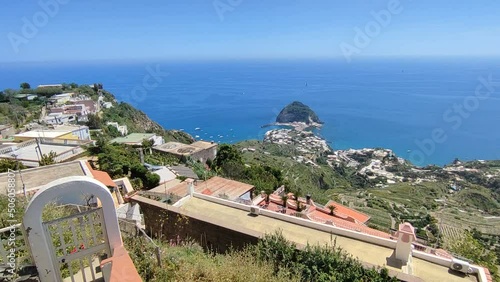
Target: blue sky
x=193, y=29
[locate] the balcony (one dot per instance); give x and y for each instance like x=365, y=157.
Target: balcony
x=85, y=245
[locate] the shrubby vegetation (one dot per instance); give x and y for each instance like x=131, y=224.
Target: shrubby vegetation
x=7, y=164
x=229, y=163
x=120, y=160
x=48, y=159
x=273, y=258
x=471, y=248
x=136, y=121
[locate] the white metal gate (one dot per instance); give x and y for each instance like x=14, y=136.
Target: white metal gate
x=77, y=244
x=71, y=248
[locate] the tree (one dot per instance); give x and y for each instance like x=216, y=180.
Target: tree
x=332, y=209
x=147, y=143
x=48, y=159
x=48, y=91
x=151, y=180
x=284, y=198
x=73, y=85
x=227, y=153
x=97, y=87
x=94, y=121
x=472, y=249
x=138, y=171
x=111, y=131
x=25, y=85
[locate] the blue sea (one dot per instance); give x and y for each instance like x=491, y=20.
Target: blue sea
x=429, y=110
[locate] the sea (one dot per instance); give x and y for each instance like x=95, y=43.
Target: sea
x=428, y=110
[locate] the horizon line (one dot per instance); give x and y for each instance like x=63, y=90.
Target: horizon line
x=221, y=59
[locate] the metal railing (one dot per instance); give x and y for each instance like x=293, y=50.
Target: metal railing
x=13, y=247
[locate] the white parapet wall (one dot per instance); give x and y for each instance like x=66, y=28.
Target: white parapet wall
x=340, y=231
x=479, y=270
x=304, y=222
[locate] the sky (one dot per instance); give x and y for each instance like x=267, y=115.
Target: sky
x=69, y=30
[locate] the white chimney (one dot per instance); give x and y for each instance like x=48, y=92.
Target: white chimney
x=406, y=236
x=190, y=186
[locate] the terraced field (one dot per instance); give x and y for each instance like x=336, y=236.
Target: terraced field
x=468, y=219
x=450, y=233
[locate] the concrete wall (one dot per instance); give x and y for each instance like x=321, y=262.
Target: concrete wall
x=205, y=154
x=7, y=132
x=171, y=223
x=304, y=222
x=68, y=136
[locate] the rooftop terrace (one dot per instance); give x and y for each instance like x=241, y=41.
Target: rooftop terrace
x=378, y=252
x=132, y=138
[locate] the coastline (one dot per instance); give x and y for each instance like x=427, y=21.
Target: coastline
x=298, y=126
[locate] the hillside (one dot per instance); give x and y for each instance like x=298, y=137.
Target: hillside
x=138, y=121
x=440, y=202
x=297, y=112
x=18, y=111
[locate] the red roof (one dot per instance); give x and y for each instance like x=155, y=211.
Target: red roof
x=488, y=275
x=344, y=217
x=206, y=192
x=102, y=177
x=343, y=210
x=320, y=216
x=218, y=185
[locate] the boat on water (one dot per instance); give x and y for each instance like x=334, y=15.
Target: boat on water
x=197, y=136
x=197, y=128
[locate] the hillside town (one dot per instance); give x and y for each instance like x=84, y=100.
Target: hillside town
x=135, y=180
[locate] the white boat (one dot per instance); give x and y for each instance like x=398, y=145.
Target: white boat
x=197, y=128
x=197, y=136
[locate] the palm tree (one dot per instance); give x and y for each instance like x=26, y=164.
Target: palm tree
x=332, y=209
x=268, y=192
x=297, y=194
x=284, y=198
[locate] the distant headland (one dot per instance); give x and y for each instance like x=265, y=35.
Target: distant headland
x=297, y=115
x=297, y=112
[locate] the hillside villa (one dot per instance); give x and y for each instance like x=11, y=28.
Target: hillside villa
x=199, y=150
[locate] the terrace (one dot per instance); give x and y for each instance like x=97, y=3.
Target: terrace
x=372, y=250
x=398, y=252
x=29, y=152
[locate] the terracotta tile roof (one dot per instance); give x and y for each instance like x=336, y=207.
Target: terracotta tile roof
x=318, y=215
x=442, y=253
x=206, y=192
x=180, y=189
x=218, y=185
x=488, y=275
x=102, y=177
x=343, y=210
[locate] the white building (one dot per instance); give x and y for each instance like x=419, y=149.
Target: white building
x=121, y=128
x=59, y=118
x=61, y=98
